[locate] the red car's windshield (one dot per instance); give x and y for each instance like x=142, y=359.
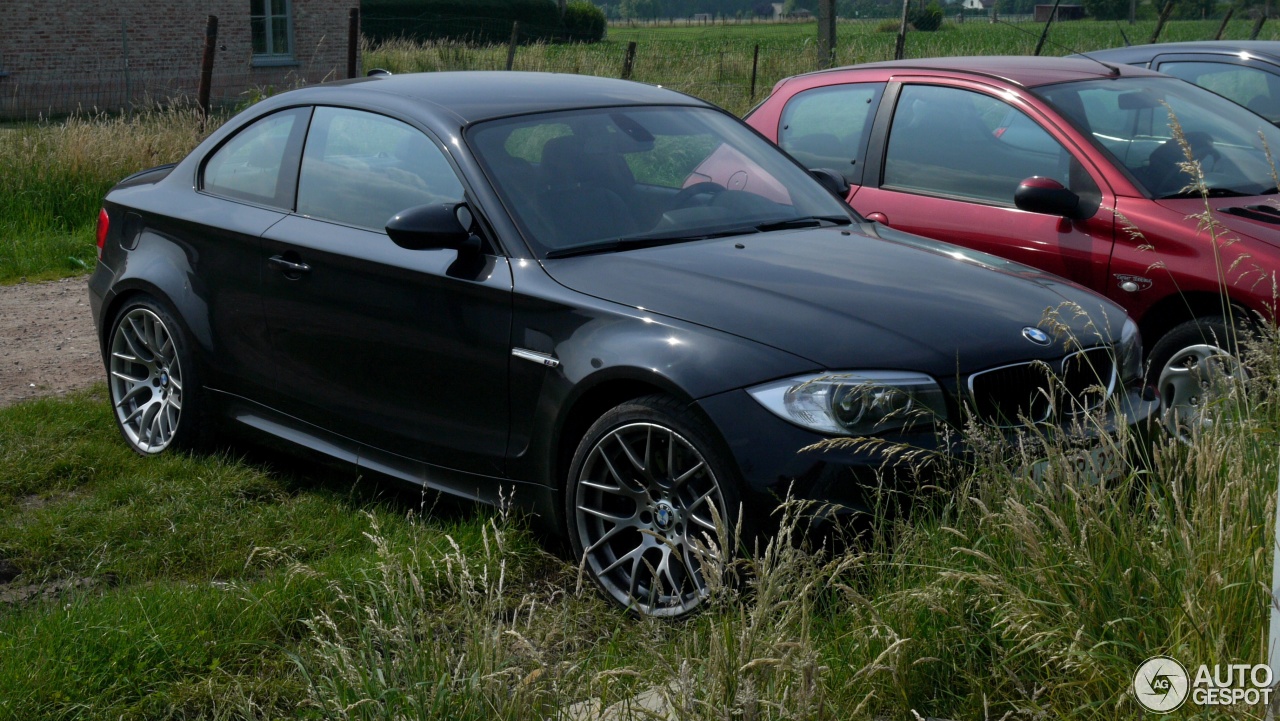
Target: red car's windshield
x=1133, y=120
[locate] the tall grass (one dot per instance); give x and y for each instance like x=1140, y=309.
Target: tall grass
x=715, y=63
x=995, y=597
x=55, y=174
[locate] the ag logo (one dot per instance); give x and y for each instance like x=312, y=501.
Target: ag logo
x=1160, y=684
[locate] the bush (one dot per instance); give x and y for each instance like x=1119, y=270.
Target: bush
x=583, y=22
x=479, y=21
x=927, y=19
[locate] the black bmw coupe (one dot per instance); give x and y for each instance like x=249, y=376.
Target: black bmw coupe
x=529, y=284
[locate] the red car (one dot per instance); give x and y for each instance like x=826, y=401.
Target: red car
x=1068, y=165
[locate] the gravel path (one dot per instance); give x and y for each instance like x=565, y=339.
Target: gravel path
x=47, y=342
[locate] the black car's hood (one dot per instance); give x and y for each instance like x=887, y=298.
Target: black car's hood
x=846, y=300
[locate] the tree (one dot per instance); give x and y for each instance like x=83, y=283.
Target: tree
x=1107, y=9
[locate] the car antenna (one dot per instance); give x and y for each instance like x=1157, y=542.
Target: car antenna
x=1111, y=69
x=1122, y=35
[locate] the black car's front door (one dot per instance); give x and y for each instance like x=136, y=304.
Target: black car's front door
x=405, y=351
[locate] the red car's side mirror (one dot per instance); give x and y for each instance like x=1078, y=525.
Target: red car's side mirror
x=1048, y=196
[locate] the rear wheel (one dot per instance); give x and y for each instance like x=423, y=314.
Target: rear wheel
x=152, y=379
x=1195, y=366
x=646, y=488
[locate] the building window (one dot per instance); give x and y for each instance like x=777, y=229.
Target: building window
x=272, y=30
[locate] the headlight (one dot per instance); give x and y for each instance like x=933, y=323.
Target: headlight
x=856, y=402
x=1129, y=352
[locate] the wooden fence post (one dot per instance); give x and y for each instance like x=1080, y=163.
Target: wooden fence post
x=1164, y=18
x=755, y=60
x=1257, y=26
x=511, y=49
x=1044, y=34
x=826, y=33
x=628, y=62
x=1223, y=27
x=900, y=48
x=206, y=66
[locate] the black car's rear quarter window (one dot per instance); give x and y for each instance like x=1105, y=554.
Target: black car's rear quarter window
x=259, y=163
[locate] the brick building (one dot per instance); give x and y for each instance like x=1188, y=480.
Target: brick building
x=83, y=54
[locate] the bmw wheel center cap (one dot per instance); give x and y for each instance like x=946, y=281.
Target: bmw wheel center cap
x=663, y=516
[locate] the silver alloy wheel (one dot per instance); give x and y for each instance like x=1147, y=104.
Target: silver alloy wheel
x=1190, y=383
x=145, y=380
x=644, y=498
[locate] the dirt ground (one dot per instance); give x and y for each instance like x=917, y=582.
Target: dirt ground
x=47, y=344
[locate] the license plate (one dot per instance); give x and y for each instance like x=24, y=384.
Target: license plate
x=1094, y=466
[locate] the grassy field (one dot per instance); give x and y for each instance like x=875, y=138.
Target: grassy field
x=55, y=173
x=247, y=586
x=54, y=176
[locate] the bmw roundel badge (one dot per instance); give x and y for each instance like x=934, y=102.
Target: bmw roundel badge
x=1035, y=335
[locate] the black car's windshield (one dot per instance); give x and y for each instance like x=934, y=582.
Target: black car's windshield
x=1131, y=119
x=616, y=178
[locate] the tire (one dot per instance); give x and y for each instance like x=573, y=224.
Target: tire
x=639, y=500
x=153, y=380
x=1192, y=366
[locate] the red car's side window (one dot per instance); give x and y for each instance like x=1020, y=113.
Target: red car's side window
x=958, y=143
x=828, y=127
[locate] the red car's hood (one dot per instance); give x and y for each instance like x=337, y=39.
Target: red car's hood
x=1256, y=217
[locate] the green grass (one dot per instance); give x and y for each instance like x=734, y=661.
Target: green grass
x=218, y=587
x=226, y=587
x=151, y=586
x=56, y=172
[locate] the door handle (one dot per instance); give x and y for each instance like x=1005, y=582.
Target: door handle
x=290, y=268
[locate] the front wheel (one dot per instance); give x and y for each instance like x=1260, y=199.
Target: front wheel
x=1195, y=366
x=152, y=379
x=647, y=490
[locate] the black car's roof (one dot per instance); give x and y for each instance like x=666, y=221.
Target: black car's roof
x=1144, y=53
x=480, y=95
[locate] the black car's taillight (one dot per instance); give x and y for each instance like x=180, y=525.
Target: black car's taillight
x=104, y=223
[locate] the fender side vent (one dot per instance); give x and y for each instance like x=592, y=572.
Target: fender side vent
x=1260, y=213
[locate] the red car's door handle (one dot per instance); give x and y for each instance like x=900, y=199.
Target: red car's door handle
x=290, y=267
x=878, y=218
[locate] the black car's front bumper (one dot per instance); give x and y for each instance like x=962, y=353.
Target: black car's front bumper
x=778, y=459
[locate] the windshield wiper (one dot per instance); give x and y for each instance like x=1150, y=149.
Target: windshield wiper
x=611, y=245
x=634, y=242
x=808, y=221
x=1211, y=192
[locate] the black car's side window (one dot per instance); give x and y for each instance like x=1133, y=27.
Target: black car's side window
x=964, y=144
x=828, y=127
x=260, y=162
x=361, y=169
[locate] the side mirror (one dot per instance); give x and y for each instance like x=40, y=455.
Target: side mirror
x=832, y=181
x=429, y=227
x=1046, y=195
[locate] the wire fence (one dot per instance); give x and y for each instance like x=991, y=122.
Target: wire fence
x=731, y=66
x=114, y=84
